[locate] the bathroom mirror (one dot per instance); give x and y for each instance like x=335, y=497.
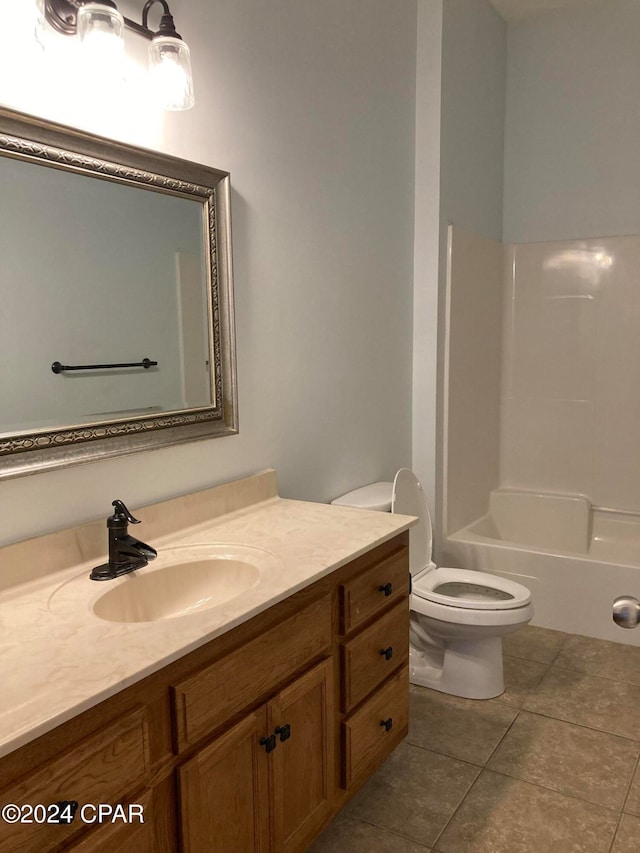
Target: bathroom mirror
x=116, y=318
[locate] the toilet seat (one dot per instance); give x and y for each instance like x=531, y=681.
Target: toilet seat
x=469, y=589
x=451, y=593
x=464, y=616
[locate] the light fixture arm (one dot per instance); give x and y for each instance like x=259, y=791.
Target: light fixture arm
x=61, y=14
x=167, y=27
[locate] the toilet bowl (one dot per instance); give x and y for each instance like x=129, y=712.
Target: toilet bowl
x=458, y=617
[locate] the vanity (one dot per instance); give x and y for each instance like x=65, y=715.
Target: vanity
x=234, y=723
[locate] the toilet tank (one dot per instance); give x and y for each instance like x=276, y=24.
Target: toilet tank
x=375, y=496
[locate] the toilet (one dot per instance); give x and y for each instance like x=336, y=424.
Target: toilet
x=458, y=616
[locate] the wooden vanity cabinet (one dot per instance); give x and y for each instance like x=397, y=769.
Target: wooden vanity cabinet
x=272, y=769
x=252, y=742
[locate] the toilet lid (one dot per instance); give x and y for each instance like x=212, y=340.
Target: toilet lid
x=409, y=499
x=470, y=589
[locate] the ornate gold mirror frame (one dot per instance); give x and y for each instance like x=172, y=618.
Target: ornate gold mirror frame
x=35, y=450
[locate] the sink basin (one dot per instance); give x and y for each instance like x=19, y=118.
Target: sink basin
x=182, y=581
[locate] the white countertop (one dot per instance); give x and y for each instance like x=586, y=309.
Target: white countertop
x=57, y=658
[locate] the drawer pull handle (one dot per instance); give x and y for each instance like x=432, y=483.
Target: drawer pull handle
x=387, y=588
x=388, y=724
x=387, y=653
x=65, y=811
x=269, y=743
x=284, y=732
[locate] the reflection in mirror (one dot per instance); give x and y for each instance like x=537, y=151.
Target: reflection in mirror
x=100, y=273
x=116, y=323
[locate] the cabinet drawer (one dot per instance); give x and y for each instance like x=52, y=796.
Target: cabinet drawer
x=374, y=654
x=102, y=768
x=365, y=740
x=209, y=698
x=134, y=837
x=376, y=588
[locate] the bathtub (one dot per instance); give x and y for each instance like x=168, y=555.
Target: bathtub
x=575, y=558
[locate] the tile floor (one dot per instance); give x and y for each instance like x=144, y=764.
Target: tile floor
x=551, y=766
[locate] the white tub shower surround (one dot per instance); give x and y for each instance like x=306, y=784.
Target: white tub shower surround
x=541, y=440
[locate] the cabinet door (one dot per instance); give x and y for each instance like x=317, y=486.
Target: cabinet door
x=224, y=797
x=301, y=766
x=135, y=837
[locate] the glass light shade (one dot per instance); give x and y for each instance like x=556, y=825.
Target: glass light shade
x=101, y=33
x=170, y=72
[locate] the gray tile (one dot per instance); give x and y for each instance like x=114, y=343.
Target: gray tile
x=600, y=657
x=469, y=729
x=610, y=706
x=521, y=677
x=504, y=815
x=571, y=759
x=350, y=835
x=633, y=799
x=627, y=836
x=533, y=643
x=414, y=793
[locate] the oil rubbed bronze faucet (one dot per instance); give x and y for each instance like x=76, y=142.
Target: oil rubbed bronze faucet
x=125, y=552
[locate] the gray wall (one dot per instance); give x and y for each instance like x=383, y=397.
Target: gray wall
x=473, y=108
x=571, y=145
x=310, y=105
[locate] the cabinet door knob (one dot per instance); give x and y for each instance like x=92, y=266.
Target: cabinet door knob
x=387, y=653
x=388, y=724
x=387, y=588
x=269, y=743
x=284, y=732
x=66, y=811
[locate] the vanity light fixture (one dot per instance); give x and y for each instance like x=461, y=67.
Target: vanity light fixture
x=100, y=27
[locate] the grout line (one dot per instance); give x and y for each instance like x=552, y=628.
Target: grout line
x=542, y=787
x=455, y=811
x=390, y=831
x=612, y=809
x=497, y=746
x=549, y=716
x=524, y=693
x=626, y=796
x=561, y=647
x=564, y=668
x=530, y=660
x=615, y=833
x=445, y=755
x=594, y=675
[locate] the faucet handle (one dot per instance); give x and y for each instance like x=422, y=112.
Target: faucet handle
x=122, y=513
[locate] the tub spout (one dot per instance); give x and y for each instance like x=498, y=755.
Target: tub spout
x=626, y=611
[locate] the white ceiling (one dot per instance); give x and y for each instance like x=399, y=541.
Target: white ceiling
x=515, y=10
